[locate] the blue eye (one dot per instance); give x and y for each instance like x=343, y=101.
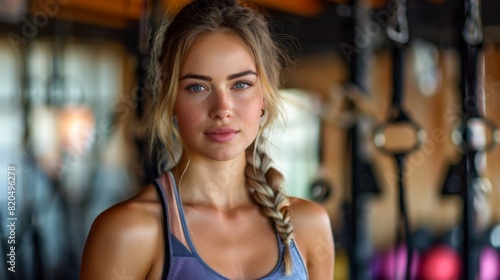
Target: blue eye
x=242, y=85
x=196, y=88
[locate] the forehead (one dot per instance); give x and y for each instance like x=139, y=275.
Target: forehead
x=218, y=51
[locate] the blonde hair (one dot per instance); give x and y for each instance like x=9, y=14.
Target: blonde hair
x=172, y=41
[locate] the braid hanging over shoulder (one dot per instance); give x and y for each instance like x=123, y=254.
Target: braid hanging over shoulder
x=265, y=185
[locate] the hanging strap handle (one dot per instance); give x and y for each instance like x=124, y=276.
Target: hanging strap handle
x=472, y=32
x=397, y=28
x=397, y=114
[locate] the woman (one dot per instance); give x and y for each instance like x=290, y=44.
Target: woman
x=219, y=212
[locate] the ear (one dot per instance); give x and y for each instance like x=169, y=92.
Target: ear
x=263, y=108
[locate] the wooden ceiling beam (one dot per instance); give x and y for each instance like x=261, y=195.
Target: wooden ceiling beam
x=98, y=12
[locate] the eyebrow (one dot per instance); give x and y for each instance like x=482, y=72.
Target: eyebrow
x=206, y=78
x=241, y=74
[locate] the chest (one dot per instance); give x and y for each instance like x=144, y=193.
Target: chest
x=238, y=245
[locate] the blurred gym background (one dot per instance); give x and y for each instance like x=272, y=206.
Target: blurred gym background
x=392, y=125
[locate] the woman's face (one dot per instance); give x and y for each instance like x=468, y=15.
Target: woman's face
x=220, y=98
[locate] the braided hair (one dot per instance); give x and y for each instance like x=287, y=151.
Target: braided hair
x=265, y=186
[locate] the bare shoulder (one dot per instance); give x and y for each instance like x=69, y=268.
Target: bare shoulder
x=306, y=212
x=123, y=220
x=314, y=237
x=124, y=238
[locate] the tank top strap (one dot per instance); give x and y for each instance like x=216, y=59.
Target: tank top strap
x=173, y=218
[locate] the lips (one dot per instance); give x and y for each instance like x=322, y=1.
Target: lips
x=221, y=134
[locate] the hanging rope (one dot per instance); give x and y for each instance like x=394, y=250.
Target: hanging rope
x=465, y=137
x=397, y=31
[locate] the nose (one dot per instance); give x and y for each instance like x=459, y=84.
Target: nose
x=221, y=105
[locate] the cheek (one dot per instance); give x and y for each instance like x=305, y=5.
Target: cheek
x=258, y=113
x=182, y=123
x=186, y=126
x=258, y=109
x=254, y=106
x=184, y=117
x=253, y=116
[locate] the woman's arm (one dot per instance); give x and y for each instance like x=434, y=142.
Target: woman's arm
x=313, y=233
x=121, y=244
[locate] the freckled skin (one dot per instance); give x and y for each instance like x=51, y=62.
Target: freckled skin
x=222, y=102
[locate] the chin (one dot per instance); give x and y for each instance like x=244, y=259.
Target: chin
x=225, y=153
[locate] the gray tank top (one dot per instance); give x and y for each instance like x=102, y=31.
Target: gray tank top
x=183, y=262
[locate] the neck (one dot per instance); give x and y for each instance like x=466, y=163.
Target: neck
x=218, y=184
